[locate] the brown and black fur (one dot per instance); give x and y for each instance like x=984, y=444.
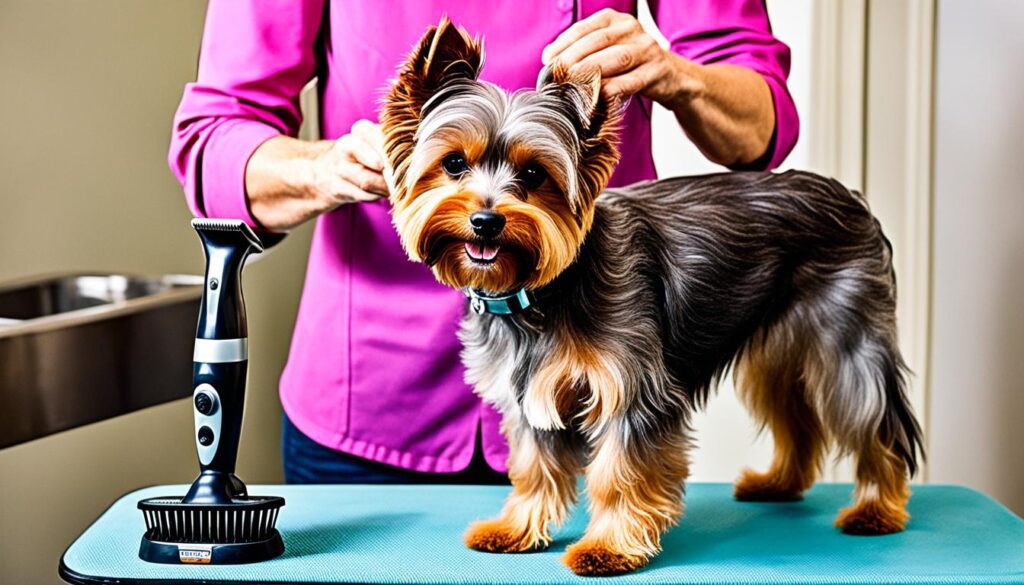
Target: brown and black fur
x=644, y=297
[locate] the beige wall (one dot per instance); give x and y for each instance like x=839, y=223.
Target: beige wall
x=87, y=92
x=977, y=366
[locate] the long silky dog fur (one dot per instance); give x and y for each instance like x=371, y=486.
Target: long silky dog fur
x=644, y=297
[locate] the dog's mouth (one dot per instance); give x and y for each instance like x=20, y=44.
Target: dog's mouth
x=482, y=252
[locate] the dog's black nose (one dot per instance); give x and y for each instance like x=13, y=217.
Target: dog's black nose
x=487, y=224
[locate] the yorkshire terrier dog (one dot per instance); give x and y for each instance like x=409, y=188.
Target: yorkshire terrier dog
x=600, y=319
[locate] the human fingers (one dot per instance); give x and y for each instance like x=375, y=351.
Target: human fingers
x=599, y=20
x=372, y=137
x=366, y=180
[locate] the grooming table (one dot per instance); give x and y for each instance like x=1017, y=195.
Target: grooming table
x=413, y=534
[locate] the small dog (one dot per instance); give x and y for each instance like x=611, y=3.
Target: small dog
x=601, y=318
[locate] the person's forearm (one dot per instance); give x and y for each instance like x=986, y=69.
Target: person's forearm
x=288, y=181
x=281, y=182
x=726, y=110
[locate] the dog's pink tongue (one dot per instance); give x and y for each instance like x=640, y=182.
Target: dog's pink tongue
x=481, y=252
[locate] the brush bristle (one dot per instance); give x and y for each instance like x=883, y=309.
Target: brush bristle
x=247, y=520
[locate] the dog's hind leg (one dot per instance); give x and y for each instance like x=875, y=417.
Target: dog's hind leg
x=769, y=382
x=863, y=402
x=543, y=467
x=635, y=483
x=881, y=494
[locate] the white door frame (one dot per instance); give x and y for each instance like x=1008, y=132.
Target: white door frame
x=835, y=132
x=898, y=167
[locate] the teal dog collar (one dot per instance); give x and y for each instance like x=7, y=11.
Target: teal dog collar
x=509, y=304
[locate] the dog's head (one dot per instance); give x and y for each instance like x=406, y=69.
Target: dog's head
x=493, y=191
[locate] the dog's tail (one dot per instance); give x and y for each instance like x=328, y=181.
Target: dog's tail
x=899, y=428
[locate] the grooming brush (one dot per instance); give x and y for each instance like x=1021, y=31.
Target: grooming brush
x=217, y=521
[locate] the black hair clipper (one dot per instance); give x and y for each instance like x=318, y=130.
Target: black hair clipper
x=217, y=522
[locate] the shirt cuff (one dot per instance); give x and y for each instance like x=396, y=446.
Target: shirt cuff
x=223, y=168
x=787, y=124
x=787, y=121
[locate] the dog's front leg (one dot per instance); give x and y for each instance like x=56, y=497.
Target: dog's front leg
x=635, y=483
x=543, y=466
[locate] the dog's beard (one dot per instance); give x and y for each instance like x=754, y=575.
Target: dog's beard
x=509, y=268
x=537, y=243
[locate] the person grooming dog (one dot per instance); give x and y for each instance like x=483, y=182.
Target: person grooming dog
x=602, y=318
x=373, y=389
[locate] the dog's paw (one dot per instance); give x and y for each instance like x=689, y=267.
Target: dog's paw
x=497, y=536
x=597, y=560
x=762, y=487
x=871, y=518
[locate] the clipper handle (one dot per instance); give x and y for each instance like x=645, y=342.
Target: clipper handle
x=220, y=361
x=218, y=401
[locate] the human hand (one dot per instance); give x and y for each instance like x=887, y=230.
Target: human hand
x=290, y=181
x=630, y=60
x=351, y=169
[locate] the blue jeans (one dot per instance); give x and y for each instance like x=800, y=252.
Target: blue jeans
x=306, y=461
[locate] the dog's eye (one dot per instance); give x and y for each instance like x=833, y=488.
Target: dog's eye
x=455, y=165
x=532, y=176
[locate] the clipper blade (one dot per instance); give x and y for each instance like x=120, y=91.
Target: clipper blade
x=228, y=225
x=243, y=531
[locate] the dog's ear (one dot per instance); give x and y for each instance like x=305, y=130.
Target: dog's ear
x=444, y=57
x=445, y=53
x=599, y=117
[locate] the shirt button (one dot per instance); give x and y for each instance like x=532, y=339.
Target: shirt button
x=565, y=5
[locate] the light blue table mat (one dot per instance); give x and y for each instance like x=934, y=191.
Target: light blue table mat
x=412, y=534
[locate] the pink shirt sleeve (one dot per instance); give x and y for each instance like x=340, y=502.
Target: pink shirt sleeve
x=256, y=56
x=735, y=32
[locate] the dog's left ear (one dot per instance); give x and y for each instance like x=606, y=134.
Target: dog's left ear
x=599, y=118
x=444, y=57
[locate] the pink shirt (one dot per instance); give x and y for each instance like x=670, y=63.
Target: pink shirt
x=374, y=364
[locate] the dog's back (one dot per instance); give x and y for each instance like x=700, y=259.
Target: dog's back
x=786, y=276
x=732, y=252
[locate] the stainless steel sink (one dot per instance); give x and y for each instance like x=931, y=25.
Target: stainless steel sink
x=80, y=348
